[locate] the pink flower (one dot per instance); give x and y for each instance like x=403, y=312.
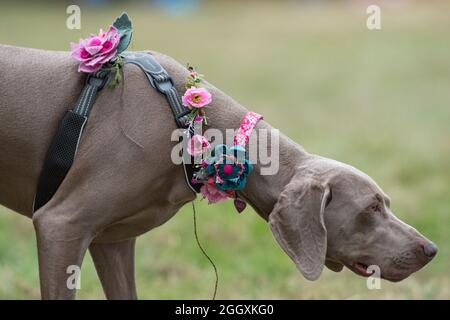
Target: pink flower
x=95, y=51
x=196, y=97
x=197, y=145
x=214, y=195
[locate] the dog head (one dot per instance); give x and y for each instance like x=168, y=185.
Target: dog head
x=332, y=214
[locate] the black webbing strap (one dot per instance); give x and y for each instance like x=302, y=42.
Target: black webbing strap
x=62, y=150
x=162, y=82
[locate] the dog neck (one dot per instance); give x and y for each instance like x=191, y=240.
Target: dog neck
x=261, y=191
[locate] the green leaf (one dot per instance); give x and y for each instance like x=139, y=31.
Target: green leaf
x=123, y=25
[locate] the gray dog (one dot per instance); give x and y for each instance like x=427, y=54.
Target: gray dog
x=123, y=182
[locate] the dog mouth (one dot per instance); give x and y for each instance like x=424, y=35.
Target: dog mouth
x=361, y=269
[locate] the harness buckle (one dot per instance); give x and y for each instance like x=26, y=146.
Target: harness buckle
x=97, y=80
x=183, y=121
x=163, y=84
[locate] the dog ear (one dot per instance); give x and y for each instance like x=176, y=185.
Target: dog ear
x=297, y=224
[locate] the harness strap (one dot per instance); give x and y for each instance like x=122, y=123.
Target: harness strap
x=64, y=146
x=94, y=83
x=163, y=83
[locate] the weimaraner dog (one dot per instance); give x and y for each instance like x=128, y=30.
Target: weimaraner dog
x=123, y=182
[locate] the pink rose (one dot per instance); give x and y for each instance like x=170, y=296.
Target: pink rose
x=212, y=193
x=95, y=51
x=196, y=97
x=197, y=145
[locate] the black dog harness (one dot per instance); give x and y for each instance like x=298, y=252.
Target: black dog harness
x=62, y=150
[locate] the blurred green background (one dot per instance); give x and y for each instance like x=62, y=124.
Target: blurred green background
x=378, y=100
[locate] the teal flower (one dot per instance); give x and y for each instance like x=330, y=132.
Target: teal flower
x=229, y=167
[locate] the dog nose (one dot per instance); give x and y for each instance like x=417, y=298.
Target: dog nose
x=430, y=249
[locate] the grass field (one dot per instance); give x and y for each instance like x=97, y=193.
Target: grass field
x=379, y=100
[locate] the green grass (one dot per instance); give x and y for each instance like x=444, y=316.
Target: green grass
x=378, y=100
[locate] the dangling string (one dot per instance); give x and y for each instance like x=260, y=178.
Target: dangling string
x=204, y=252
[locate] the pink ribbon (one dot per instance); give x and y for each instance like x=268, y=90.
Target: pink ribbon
x=242, y=134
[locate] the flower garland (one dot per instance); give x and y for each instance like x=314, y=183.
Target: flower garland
x=196, y=98
x=102, y=51
x=226, y=169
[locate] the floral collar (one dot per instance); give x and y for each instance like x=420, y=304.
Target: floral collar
x=225, y=170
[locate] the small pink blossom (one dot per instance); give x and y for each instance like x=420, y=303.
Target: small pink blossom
x=212, y=193
x=197, y=145
x=196, y=97
x=95, y=51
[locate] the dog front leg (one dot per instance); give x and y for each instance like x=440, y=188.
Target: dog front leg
x=61, y=249
x=114, y=263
